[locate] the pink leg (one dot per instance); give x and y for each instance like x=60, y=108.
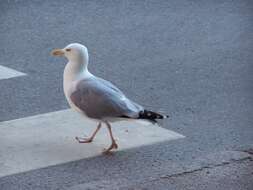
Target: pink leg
x=90, y=139
x=113, y=145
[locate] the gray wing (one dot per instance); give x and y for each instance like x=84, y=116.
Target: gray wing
x=109, y=85
x=98, y=98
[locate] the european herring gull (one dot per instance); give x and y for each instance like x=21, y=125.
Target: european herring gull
x=95, y=97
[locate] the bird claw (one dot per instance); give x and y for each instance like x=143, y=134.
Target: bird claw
x=115, y=145
x=108, y=150
x=83, y=140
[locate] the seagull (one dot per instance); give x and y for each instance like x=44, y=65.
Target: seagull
x=95, y=97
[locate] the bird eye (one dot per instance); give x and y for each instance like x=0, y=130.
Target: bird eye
x=68, y=49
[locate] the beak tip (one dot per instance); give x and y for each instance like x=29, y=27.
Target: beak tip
x=57, y=52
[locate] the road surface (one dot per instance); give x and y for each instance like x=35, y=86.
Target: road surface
x=190, y=59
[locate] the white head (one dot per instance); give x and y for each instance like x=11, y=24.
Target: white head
x=76, y=54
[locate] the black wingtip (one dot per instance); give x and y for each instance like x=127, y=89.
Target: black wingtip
x=150, y=115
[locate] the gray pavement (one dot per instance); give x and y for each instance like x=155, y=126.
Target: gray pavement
x=236, y=175
x=191, y=59
x=234, y=171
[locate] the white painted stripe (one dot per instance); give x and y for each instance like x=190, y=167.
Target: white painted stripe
x=48, y=139
x=6, y=73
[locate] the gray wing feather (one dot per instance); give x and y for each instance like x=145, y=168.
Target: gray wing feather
x=110, y=85
x=98, y=98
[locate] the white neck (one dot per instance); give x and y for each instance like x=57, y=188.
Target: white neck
x=74, y=72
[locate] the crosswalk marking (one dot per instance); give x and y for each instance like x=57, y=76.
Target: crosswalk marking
x=48, y=139
x=6, y=73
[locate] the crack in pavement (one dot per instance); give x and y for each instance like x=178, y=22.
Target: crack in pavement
x=203, y=168
x=208, y=162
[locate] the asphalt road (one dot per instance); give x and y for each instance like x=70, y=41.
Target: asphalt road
x=190, y=59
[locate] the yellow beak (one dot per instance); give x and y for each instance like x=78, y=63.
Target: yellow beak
x=57, y=52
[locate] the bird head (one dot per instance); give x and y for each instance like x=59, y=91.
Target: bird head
x=75, y=53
